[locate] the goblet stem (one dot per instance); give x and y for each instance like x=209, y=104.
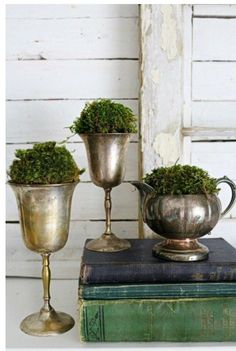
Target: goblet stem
x=107, y=205
x=46, y=277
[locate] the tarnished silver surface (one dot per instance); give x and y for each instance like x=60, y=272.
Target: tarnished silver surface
x=44, y=212
x=182, y=216
x=106, y=155
x=180, y=250
x=182, y=219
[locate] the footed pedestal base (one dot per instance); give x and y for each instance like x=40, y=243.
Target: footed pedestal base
x=47, y=323
x=181, y=250
x=108, y=243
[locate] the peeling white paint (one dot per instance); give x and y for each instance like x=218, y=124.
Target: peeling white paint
x=147, y=21
x=161, y=100
x=155, y=75
x=169, y=32
x=167, y=146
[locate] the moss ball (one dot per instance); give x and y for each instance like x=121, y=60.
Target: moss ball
x=45, y=163
x=181, y=180
x=105, y=116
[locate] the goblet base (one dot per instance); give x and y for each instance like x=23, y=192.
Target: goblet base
x=181, y=250
x=108, y=243
x=47, y=323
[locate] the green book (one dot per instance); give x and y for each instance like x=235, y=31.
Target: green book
x=188, y=319
x=148, y=291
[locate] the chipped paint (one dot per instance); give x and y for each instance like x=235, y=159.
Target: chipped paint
x=146, y=23
x=169, y=32
x=167, y=146
x=155, y=75
x=161, y=101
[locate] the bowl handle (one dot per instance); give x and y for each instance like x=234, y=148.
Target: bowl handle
x=233, y=189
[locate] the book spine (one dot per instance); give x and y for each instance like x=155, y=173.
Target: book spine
x=205, y=319
x=115, y=274
x=147, y=291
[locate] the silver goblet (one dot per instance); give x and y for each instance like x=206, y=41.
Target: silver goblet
x=44, y=212
x=106, y=155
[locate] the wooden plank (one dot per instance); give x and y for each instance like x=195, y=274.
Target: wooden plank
x=207, y=133
x=72, y=39
x=161, y=86
x=88, y=203
x=162, y=71
x=214, y=39
x=215, y=10
x=187, y=80
x=23, y=262
x=214, y=81
x=72, y=79
x=30, y=121
x=79, y=153
x=219, y=159
x=187, y=64
x=225, y=229
x=186, y=157
x=215, y=113
x=71, y=11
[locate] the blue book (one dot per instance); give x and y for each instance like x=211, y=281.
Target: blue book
x=137, y=265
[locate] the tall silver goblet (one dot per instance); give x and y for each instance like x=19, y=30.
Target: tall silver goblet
x=106, y=155
x=44, y=212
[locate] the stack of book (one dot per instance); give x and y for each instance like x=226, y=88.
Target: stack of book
x=133, y=296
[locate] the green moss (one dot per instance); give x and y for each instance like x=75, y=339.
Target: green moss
x=45, y=163
x=105, y=116
x=181, y=180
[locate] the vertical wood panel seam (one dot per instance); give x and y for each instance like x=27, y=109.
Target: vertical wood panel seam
x=187, y=81
x=140, y=155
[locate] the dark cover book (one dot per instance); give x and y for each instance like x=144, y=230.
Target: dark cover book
x=138, y=265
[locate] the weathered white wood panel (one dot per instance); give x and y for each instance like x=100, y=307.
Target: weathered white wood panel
x=71, y=11
x=219, y=159
x=187, y=64
x=72, y=39
x=23, y=262
x=215, y=10
x=91, y=52
x=79, y=153
x=207, y=133
x=226, y=228
x=161, y=98
x=88, y=203
x=214, y=114
x=214, y=39
x=161, y=91
x=214, y=81
x=30, y=121
x=72, y=79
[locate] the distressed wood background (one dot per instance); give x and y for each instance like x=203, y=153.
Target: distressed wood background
x=213, y=99
x=188, y=93
x=59, y=57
